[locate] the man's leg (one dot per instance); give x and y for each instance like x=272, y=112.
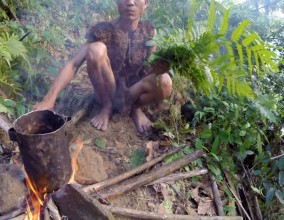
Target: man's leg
x=102, y=78
x=151, y=89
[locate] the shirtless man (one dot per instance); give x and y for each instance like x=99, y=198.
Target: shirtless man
x=115, y=53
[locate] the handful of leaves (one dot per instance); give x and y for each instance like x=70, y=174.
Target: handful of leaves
x=187, y=58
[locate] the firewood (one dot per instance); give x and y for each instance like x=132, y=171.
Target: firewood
x=152, y=215
x=217, y=197
x=179, y=176
x=53, y=211
x=4, y=124
x=147, y=178
x=76, y=204
x=130, y=173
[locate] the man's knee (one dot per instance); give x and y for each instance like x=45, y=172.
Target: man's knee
x=165, y=83
x=96, y=52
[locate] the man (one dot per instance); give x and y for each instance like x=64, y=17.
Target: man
x=115, y=53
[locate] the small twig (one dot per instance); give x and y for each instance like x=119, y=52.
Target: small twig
x=255, y=201
x=239, y=202
x=217, y=197
x=277, y=157
x=179, y=176
x=152, y=215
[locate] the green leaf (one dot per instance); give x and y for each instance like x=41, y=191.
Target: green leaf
x=216, y=157
x=280, y=196
x=256, y=190
x=269, y=196
x=198, y=144
x=281, y=178
x=206, y=134
x=3, y=109
x=100, y=144
x=137, y=158
x=215, y=145
x=9, y=103
x=236, y=35
x=259, y=144
x=225, y=24
x=211, y=17
x=242, y=133
x=281, y=163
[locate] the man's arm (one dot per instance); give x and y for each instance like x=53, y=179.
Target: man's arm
x=62, y=80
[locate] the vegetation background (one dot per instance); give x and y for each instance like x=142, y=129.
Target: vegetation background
x=227, y=66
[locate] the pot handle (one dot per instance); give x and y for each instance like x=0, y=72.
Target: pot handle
x=13, y=134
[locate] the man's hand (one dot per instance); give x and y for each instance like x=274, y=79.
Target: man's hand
x=43, y=105
x=161, y=66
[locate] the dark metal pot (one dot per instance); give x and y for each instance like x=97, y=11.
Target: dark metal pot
x=43, y=140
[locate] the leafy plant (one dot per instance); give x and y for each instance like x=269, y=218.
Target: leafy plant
x=213, y=62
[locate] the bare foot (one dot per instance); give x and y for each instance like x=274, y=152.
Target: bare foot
x=142, y=123
x=100, y=121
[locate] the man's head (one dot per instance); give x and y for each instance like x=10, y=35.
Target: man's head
x=132, y=9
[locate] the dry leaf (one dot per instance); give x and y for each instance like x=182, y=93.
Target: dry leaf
x=206, y=208
x=150, y=151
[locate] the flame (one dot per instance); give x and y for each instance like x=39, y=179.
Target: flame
x=36, y=201
x=80, y=145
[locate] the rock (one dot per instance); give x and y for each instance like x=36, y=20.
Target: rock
x=91, y=167
x=12, y=188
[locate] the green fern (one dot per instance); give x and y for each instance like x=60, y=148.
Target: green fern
x=211, y=17
x=11, y=48
x=225, y=24
x=200, y=59
x=238, y=32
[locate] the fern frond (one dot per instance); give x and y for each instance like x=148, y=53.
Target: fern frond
x=249, y=59
x=5, y=55
x=241, y=55
x=231, y=53
x=11, y=47
x=15, y=47
x=225, y=24
x=237, y=33
x=191, y=19
x=250, y=39
x=211, y=17
x=257, y=48
x=256, y=63
x=244, y=89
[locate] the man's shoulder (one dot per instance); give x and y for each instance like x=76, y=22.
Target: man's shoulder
x=147, y=28
x=147, y=24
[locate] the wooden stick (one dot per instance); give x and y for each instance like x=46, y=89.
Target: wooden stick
x=152, y=215
x=230, y=182
x=126, y=175
x=53, y=210
x=4, y=124
x=19, y=217
x=76, y=204
x=256, y=207
x=217, y=197
x=240, y=203
x=155, y=174
x=13, y=214
x=179, y=176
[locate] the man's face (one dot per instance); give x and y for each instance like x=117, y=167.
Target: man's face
x=131, y=9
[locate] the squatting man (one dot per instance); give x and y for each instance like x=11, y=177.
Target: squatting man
x=116, y=52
